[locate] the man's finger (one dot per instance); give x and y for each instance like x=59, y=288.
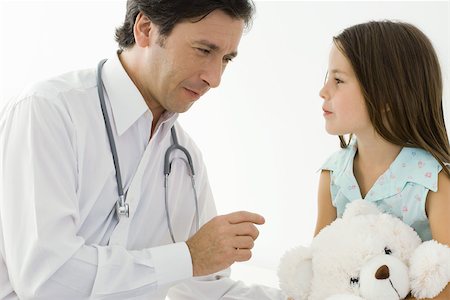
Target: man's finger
x=243, y=254
x=245, y=229
x=245, y=216
x=243, y=242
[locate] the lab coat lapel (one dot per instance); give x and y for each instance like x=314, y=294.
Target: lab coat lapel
x=133, y=194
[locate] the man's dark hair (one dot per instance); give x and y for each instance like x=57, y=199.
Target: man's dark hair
x=167, y=13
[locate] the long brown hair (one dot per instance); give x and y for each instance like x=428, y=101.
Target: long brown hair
x=401, y=81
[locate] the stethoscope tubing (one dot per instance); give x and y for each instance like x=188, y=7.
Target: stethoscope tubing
x=122, y=208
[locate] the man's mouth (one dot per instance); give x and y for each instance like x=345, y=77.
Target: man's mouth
x=193, y=94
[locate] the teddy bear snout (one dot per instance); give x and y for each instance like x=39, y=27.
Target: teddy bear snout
x=382, y=272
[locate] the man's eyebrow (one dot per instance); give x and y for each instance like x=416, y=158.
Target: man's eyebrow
x=214, y=47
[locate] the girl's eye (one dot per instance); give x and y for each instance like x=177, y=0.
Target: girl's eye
x=354, y=281
x=338, y=81
x=227, y=60
x=387, y=251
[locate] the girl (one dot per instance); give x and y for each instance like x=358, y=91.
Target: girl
x=384, y=89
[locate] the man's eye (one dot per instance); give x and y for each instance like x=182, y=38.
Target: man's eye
x=203, y=51
x=338, y=81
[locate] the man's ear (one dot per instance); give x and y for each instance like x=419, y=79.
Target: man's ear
x=143, y=30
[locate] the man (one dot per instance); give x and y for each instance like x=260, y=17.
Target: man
x=63, y=232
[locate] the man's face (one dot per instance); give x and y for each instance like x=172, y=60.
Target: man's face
x=179, y=68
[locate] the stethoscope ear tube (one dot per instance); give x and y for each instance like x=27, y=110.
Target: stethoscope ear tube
x=176, y=146
x=122, y=208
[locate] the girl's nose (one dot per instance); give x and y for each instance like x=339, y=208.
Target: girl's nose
x=323, y=93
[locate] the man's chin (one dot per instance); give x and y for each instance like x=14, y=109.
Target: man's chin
x=182, y=109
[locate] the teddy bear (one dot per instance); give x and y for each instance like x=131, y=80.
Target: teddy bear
x=365, y=255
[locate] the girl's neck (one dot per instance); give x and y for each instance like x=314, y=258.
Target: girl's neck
x=377, y=151
x=374, y=157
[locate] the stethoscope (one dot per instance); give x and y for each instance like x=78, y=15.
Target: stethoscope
x=122, y=208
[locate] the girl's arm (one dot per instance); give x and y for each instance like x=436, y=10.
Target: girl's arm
x=438, y=212
x=326, y=212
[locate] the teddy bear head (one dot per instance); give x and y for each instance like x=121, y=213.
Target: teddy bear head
x=365, y=253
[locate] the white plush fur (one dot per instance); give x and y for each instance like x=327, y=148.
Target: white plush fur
x=359, y=209
x=344, y=297
x=354, y=247
x=296, y=275
x=429, y=269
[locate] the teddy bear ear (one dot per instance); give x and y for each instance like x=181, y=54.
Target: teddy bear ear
x=295, y=272
x=429, y=269
x=360, y=207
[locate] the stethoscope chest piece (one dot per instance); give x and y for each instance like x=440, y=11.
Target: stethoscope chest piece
x=122, y=208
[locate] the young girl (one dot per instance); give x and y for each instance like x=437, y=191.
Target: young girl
x=384, y=89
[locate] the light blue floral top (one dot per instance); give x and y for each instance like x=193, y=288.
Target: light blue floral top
x=401, y=190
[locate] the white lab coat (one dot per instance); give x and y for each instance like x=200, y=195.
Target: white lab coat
x=59, y=236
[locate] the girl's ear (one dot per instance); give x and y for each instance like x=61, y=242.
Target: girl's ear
x=295, y=273
x=143, y=30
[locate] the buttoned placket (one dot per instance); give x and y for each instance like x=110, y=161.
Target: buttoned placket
x=120, y=232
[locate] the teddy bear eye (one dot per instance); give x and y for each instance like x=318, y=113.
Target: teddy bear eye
x=354, y=280
x=387, y=251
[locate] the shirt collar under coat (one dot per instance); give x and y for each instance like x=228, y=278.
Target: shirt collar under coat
x=411, y=165
x=127, y=103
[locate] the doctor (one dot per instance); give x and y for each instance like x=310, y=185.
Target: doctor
x=84, y=212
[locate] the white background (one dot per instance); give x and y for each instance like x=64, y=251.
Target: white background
x=262, y=132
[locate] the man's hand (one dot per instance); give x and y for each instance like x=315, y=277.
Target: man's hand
x=223, y=241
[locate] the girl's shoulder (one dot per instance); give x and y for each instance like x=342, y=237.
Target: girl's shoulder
x=417, y=159
x=418, y=166
x=339, y=159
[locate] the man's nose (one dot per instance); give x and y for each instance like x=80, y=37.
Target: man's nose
x=213, y=74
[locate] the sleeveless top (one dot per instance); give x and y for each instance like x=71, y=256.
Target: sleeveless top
x=401, y=190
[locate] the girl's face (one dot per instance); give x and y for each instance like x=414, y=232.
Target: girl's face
x=344, y=106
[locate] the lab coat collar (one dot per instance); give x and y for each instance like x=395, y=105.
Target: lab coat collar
x=127, y=103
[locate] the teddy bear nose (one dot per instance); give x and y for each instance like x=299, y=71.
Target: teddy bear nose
x=382, y=272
